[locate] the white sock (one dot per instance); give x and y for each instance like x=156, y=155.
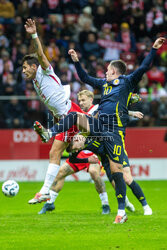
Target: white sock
x=121, y=212
x=104, y=198
x=53, y=196
x=51, y=173
x=50, y=133
x=126, y=201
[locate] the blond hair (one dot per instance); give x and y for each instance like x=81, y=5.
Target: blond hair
x=87, y=93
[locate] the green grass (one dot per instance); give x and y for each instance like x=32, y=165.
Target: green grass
x=77, y=222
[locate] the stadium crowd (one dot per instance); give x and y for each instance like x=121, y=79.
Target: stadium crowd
x=99, y=32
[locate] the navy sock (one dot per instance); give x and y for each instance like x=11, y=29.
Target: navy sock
x=120, y=188
x=64, y=124
x=136, y=189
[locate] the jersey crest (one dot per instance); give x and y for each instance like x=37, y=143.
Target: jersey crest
x=116, y=82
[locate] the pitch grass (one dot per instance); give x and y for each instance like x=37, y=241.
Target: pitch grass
x=77, y=222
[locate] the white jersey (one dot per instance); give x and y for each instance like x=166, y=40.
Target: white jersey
x=50, y=90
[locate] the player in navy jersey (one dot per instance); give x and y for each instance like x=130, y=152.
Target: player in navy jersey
x=97, y=146
x=116, y=90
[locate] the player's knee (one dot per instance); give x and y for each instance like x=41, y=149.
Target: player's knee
x=54, y=155
x=94, y=173
x=128, y=179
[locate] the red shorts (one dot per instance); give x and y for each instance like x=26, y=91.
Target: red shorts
x=80, y=166
x=68, y=135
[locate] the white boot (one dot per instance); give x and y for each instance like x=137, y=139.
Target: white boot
x=147, y=210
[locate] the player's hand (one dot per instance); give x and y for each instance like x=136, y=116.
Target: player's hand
x=93, y=159
x=159, y=42
x=73, y=55
x=138, y=114
x=30, y=26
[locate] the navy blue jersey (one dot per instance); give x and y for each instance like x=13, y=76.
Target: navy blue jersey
x=115, y=95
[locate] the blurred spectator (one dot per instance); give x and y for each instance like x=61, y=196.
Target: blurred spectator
x=148, y=119
x=143, y=83
x=125, y=14
x=83, y=35
x=69, y=30
x=4, y=42
x=154, y=21
x=85, y=17
x=101, y=17
x=23, y=9
x=66, y=75
x=162, y=110
x=126, y=36
x=91, y=47
x=18, y=25
x=21, y=52
x=106, y=34
x=52, y=52
x=7, y=65
x=155, y=75
x=54, y=6
x=39, y=10
x=53, y=28
x=7, y=12
x=14, y=114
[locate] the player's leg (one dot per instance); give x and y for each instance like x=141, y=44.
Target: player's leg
x=120, y=188
x=73, y=118
x=54, y=164
x=56, y=187
x=94, y=171
x=106, y=166
x=137, y=191
x=128, y=204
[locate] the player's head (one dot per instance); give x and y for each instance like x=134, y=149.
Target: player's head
x=78, y=143
x=114, y=69
x=30, y=64
x=85, y=99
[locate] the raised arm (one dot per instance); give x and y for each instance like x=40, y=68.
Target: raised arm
x=30, y=27
x=136, y=76
x=84, y=77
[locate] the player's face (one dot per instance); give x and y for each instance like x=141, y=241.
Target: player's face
x=78, y=143
x=110, y=73
x=29, y=70
x=85, y=102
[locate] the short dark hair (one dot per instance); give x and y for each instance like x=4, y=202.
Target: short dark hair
x=31, y=59
x=120, y=65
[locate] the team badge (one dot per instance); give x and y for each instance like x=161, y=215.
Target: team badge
x=116, y=82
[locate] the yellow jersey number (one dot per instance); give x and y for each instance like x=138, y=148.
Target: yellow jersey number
x=107, y=90
x=117, y=150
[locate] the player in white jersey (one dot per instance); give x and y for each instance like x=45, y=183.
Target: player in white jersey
x=36, y=67
x=46, y=83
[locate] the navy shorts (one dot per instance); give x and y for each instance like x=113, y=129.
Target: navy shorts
x=114, y=146
x=126, y=160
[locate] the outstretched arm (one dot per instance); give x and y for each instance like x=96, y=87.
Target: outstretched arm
x=30, y=27
x=136, y=114
x=84, y=77
x=91, y=159
x=135, y=77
